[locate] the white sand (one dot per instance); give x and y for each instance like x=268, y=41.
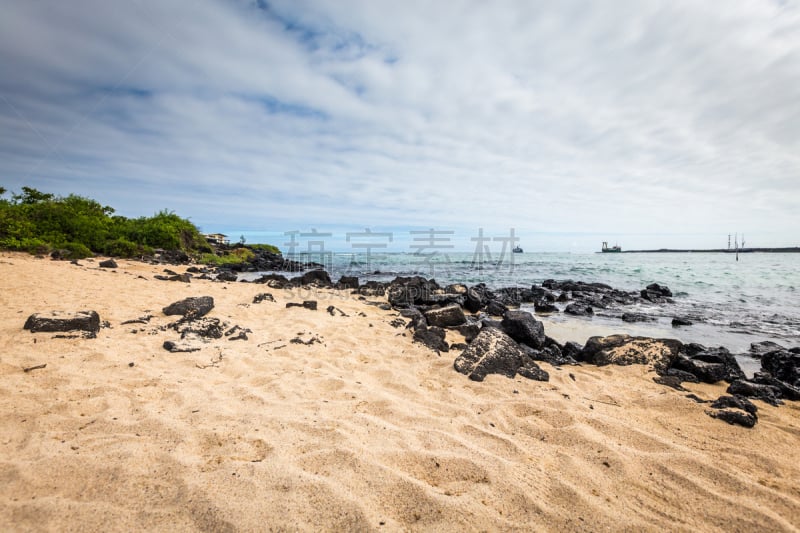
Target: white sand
x=364, y=430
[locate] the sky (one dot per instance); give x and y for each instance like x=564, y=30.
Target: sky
x=645, y=123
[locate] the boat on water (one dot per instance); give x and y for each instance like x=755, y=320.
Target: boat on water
x=517, y=250
x=613, y=249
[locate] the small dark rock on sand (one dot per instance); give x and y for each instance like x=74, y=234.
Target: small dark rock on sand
x=264, y=296
x=227, y=275
x=734, y=410
x=177, y=347
x=196, y=306
x=636, y=317
x=432, y=337
x=579, y=309
x=184, y=278
x=308, y=304
x=59, y=321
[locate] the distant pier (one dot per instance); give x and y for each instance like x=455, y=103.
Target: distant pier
x=787, y=250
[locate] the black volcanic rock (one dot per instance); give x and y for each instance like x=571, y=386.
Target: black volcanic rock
x=319, y=278
x=183, y=346
x=656, y=293
x=734, y=417
x=445, y=317
x=418, y=319
x=627, y=350
x=433, y=338
x=550, y=354
x=782, y=365
x=543, y=306
x=636, y=317
x=173, y=257
x=496, y=308
x=787, y=391
x=571, y=349
x=766, y=393
x=470, y=331
x=347, y=282
x=514, y=296
x=415, y=290
x=184, y=278
x=204, y=328
x=262, y=297
x=710, y=365
x=532, y=371
x=196, y=306
x=308, y=304
x=757, y=349
x=265, y=260
x=227, y=275
x=524, y=328
x=108, y=263
x=56, y=321
x=670, y=381
x=277, y=281
x=474, y=300
x=488, y=322
x=494, y=352
x=661, y=290
x=682, y=375
x=372, y=288
x=456, y=288
x=734, y=410
x=579, y=309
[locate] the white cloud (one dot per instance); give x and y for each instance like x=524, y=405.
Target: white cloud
x=553, y=116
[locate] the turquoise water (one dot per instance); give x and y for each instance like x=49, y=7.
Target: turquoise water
x=733, y=302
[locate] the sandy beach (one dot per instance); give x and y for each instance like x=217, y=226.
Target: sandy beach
x=350, y=427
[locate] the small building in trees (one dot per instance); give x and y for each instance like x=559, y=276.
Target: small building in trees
x=217, y=238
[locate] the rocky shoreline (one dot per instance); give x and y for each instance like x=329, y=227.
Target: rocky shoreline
x=498, y=337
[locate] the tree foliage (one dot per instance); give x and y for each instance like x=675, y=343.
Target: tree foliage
x=37, y=222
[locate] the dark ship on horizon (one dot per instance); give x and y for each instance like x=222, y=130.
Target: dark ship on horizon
x=610, y=250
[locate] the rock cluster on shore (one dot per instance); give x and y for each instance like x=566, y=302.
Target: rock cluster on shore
x=513, y=345
x=500, y=338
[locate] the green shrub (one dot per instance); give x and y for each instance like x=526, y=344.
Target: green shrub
x=243, y=254
x=77, y=250
x=210, y=259
x=267, y=247
x=10, y=243
x=36, y=221
x=122, y=247
x=240, y=255
x=34, y=246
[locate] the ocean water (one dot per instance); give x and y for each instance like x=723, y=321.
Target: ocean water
x=732, y=303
